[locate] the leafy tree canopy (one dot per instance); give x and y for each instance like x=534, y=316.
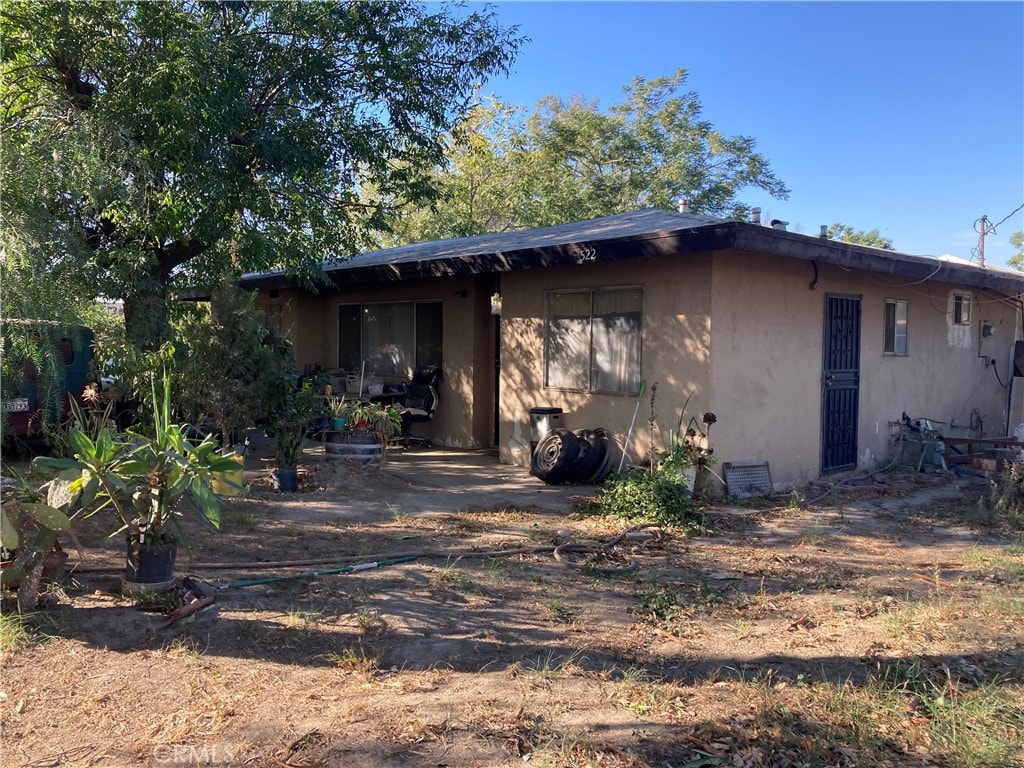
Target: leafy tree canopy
x=149, y=144
x=1017, y=241
x=568, y=161
x=847, y=234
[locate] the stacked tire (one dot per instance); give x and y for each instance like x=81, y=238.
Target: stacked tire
x=583, y=456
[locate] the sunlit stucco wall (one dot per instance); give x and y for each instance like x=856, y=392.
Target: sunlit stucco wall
x=766, y=361
x=946, y=375
x=676, y=328
x=741, y=334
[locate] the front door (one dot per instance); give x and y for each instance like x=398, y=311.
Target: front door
x=840, y=383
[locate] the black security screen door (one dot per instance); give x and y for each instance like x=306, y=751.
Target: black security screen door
x=840, y=382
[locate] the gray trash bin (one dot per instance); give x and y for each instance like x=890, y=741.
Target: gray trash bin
x=543, y=421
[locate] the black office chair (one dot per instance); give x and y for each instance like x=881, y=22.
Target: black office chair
x=419, y=404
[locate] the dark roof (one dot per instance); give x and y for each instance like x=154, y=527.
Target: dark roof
x=630, y=235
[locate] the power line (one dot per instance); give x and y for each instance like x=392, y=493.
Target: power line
x=990, y=229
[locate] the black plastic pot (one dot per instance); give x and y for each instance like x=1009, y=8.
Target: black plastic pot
x=150, y=563
x=286, y=480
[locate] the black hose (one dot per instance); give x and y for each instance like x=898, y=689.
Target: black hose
x=557, y=551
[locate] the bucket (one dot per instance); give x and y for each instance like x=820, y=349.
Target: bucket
x=363, y=448
x=543, y=421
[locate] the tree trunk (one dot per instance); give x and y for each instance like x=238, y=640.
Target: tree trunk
x=33, y=549
x=146, y=322
x=28, y=590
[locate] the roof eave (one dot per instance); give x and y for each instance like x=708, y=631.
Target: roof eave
x=759, y=239
x=690, y=240
x=705, y=238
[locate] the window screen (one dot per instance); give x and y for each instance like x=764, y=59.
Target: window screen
x=896, y=320
x=592, y=339
x=961, y=309
x=393, y=338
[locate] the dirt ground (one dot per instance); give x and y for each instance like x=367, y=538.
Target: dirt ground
x=750, y=643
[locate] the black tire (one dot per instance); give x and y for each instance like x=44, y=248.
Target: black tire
x=591, y=454
x=605, y=467
x=555, y=456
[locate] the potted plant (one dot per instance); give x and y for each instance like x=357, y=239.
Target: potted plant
x=142, y=477
x=371, y=417
x=386, y=421
x=689, y=450
x=296, y=409
x=368, y=428
x=289, y=439
x=339, y=411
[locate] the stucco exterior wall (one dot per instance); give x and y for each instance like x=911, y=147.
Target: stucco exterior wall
x=674, y=350
x=740, y=334
x=947, y=375
x=766, y=353
x=766, y=347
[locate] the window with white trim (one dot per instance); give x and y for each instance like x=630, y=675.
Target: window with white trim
x=592, y=339
x=896, y=320
x=961, y=309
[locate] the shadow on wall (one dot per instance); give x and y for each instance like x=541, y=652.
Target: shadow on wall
x=675, y=354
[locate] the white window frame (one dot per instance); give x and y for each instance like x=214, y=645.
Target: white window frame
x=629, y=385
x=961, y=305
x=893, y=336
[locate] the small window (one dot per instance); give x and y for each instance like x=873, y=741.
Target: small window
x=592, y=340
x=961, y=309
x=896, y=315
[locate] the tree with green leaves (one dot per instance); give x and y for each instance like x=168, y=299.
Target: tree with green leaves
x=224, y=363
x=485, y=185
x=569, y=161
x=150, y=145
x=40, y=308
x=847, y=234
x=650, y=150
x=1017, y=241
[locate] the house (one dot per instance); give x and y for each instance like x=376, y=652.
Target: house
x=808, y=350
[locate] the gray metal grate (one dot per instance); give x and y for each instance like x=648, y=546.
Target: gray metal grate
x=747, y=479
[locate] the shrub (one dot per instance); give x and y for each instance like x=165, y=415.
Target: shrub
x=1008, y=495
x=636, y=494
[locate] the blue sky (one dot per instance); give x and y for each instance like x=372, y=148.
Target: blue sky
x=905, y=117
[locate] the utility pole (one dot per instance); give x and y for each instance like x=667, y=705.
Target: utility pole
x=981, y=241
